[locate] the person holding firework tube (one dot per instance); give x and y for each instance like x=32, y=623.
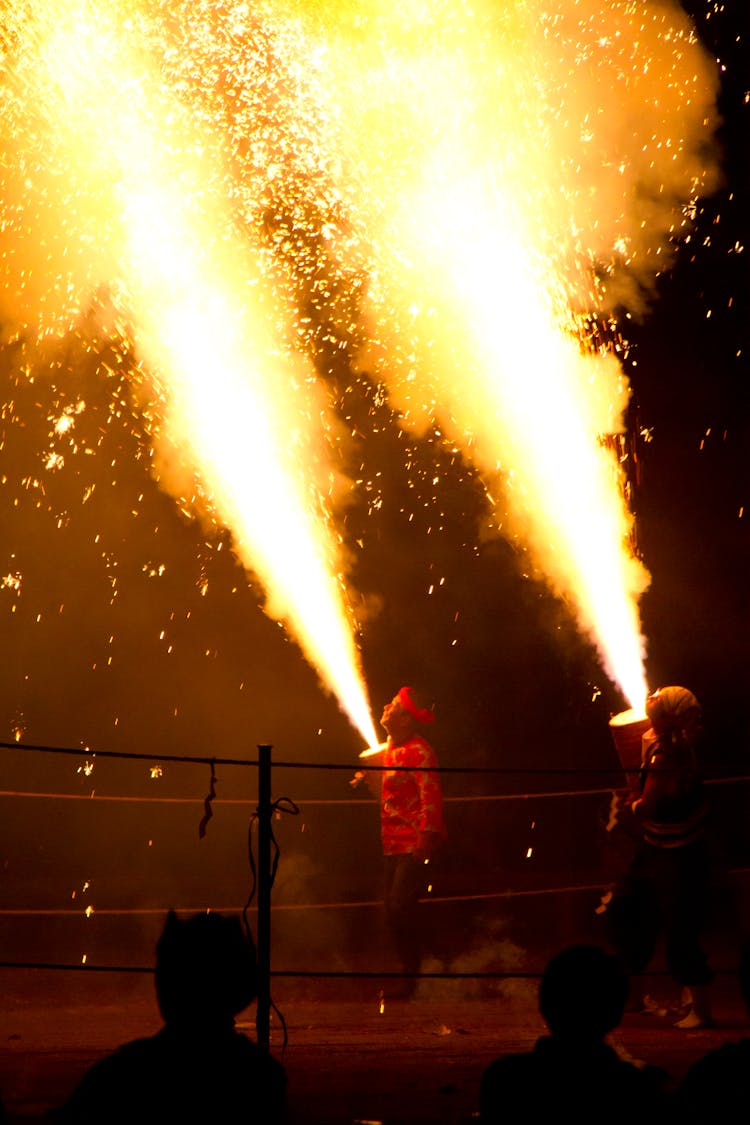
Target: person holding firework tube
x=411, y=823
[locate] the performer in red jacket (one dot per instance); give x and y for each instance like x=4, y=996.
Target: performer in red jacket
x=412, y=823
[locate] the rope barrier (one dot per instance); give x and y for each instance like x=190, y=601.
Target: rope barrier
x=313, y=801
x=329, y=974
x=213, y=761
x=482, y=896
x=336, y=801
x=116, y=797
x=210, y=801
x=360, y=766
x=127, y=755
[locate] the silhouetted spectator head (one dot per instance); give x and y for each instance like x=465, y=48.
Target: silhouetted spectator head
x=206, y=969
x=583, y=993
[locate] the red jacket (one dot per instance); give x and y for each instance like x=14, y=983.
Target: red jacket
x=410, y=802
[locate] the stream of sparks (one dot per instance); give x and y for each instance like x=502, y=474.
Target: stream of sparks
x=114, y=161
x=525, y=166
x=506, y=174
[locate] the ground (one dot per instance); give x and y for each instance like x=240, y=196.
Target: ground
x=416, y=1063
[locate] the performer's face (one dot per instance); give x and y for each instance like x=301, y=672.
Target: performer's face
x=393, y=715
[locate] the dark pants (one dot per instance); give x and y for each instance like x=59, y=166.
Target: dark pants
x=404, y=885
x=664, y=893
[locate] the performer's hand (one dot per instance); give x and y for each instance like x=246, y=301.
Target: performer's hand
x=371, y=779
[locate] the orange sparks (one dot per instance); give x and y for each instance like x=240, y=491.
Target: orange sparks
x=133, y=186
x=467, y=193
x=514, y=189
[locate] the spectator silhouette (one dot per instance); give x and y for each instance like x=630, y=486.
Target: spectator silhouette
x=573, y=1074
x=717, y=1086
x=197, y=1068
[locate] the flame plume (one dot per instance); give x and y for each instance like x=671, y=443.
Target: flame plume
x=506, y=176
x=114, y=181
x=525, y=168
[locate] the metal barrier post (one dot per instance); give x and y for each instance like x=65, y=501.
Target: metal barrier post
x=263, y=1013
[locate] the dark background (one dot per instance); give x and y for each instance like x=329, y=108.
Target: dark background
x=103, y=651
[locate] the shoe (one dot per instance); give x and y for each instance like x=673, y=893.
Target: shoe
x=698, y=1012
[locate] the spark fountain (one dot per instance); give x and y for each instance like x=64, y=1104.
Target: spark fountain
x=512, y=179
x=120, y=186
x=522, y=174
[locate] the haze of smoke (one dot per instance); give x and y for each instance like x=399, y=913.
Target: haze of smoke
x=488, y=950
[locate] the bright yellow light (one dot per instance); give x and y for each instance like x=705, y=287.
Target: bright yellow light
x=136, y=189
x=499, y=174
x=520, y=168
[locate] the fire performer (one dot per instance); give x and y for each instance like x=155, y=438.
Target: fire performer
x=666, y=887
x=412, y=825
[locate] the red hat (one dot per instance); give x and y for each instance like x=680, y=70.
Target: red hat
x=421, y=714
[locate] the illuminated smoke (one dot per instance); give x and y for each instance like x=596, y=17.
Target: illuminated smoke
x=108, y=179
x=524, y=170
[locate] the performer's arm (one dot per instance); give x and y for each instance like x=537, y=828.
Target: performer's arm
x=661, y=783
x=372, y=778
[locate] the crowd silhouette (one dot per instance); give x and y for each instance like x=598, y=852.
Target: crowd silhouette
x=200, y=1068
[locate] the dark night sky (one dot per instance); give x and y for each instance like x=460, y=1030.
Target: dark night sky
x=517, y=688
